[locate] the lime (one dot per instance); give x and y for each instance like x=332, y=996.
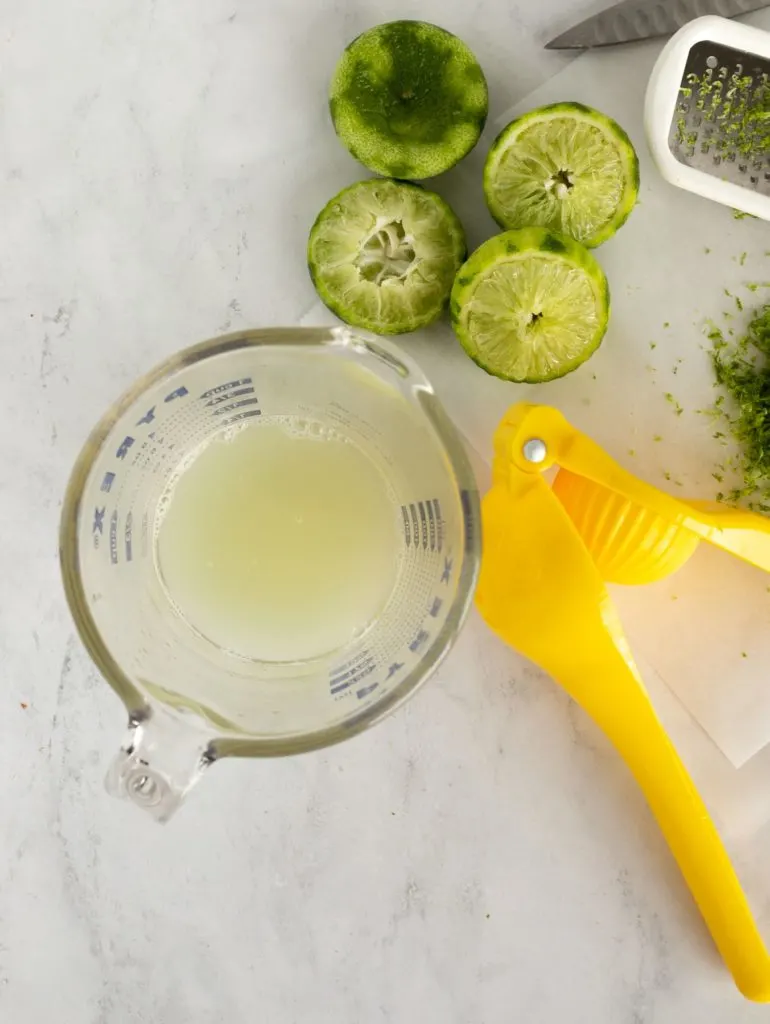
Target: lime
x=383, y=255
x=565, y=167
x=530, y=305
x=408, y=99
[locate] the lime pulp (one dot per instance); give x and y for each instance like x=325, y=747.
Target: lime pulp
x=383, y=255
x=530, y=305
x=565, y=167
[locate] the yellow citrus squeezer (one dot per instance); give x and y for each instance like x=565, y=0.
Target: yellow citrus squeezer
x=547, y=554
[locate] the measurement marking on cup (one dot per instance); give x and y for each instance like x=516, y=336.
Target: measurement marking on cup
x=355, y=660
x=235, y=405
x=128, y=535
x=228, y=386
x=435, y=608
x=366, y=690
x=395, y=667
x=242, y=416
x=114, y=537
x=176, y=393
x=343, y=682
x=218, y=399
x=98, y=526
x=345, y=678
x=423, y=525
x=439, y=523
x=470, y=519
x=125, y=444
x=419, y=640
x=148, y=417
x=446, y=574
x=107, y=482
x=407, y=527
x=349, y=672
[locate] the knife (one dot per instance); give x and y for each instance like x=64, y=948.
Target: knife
x=630, y=20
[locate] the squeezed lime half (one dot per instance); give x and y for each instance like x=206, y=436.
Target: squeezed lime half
x=565, y=167
x=530, y=305
x=383, y=255
x=408, y=99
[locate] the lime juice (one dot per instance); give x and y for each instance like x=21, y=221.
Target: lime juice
x=278, y=541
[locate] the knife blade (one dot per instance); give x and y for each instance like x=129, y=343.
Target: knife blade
x=631, y=20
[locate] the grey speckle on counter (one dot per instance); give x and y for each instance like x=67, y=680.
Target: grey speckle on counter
x=481, y=857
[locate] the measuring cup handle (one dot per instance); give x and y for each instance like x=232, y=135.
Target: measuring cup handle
x=161, y=759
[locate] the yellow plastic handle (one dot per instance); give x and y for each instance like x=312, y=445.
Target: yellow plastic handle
x=541, y=592
x=744, y=534
x=624, y=713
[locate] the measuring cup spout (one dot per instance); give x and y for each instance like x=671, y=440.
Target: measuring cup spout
x=161, y=759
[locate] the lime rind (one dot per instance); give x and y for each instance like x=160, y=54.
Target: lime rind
x=566, y=167
x=383, y=255
x=530, y=305
x=408, y=99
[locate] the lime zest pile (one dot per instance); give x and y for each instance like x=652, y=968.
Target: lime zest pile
x=742, y=370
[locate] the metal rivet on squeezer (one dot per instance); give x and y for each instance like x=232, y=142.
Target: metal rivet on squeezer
x=534, y=450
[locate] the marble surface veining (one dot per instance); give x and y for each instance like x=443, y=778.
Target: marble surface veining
x=482, y=857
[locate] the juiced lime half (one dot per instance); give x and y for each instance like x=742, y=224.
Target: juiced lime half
x=565, y=167
x=408, y=99
x=383, y=255
x=530, y=305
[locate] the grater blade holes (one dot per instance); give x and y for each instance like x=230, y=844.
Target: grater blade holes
x=721, y=120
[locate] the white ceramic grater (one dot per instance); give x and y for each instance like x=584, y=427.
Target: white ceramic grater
x=707, y=113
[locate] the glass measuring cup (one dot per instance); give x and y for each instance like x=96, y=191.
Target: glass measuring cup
x=189, y=700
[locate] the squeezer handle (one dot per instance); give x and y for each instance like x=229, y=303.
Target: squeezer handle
x=540, y=590
x=632, y=725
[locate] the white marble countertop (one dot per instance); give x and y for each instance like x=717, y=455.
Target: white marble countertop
x=480, y=858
